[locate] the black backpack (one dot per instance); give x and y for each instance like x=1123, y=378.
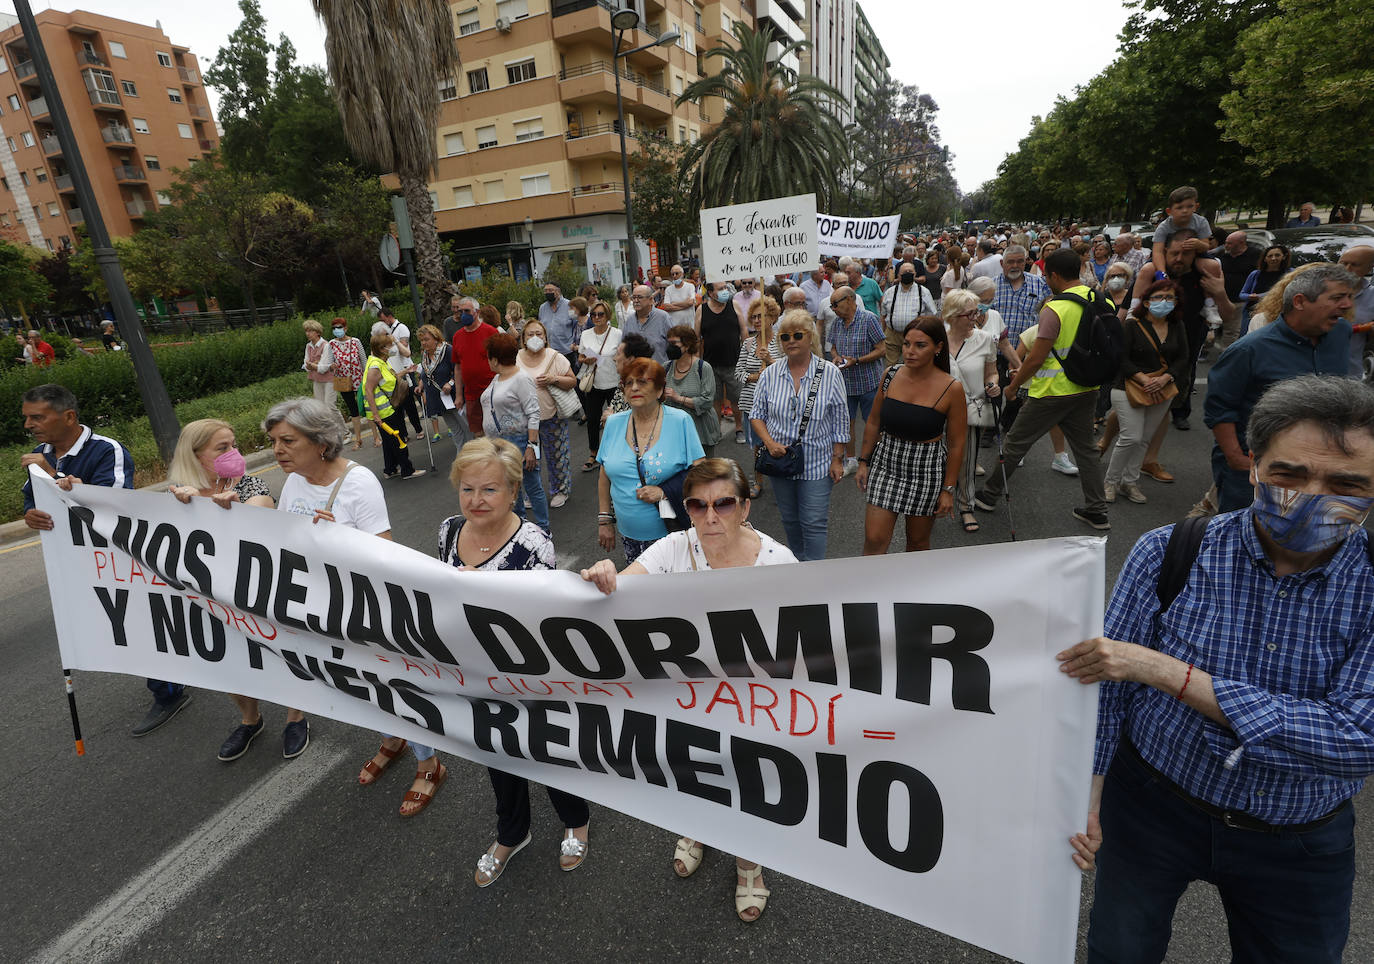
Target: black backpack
x=1098, y=346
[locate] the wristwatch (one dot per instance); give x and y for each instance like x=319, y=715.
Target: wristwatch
x=534, y=447
x=947, y=488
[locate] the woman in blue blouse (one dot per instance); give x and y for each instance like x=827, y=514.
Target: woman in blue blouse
x=779, y=401
x=644, y=456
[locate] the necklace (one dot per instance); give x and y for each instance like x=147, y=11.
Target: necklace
x=683, y=371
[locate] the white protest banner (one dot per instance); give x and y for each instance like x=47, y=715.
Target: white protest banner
x=892, y=728
x=856, y=237
x=761, y=239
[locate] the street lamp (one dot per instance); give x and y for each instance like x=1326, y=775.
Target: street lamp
x=621, y=21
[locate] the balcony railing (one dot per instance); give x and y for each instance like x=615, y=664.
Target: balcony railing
x=579, y=190
x=102, y=97
x=127, y=172
x=51, y=145
x=199, y=110
x=563, y=7
x=38, y=107
x=137, y=208
x=188, y=76
x=63, y=182
x=87, y=57
x=591, y=130
x=603, y=66
x=117, y=135
x=24, y=68
x=75, y=216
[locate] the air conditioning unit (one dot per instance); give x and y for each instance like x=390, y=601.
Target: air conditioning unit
x=503, y=25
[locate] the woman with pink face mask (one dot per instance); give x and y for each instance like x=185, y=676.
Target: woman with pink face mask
x=208, y=464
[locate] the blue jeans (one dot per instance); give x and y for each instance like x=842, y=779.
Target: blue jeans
x=422, y=752
x=1286, y=895
x=533, y=486
x=165, y=693
x=1234, y=490
x=861, y=404
x=804, y=505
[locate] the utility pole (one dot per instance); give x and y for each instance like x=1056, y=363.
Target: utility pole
x=150, y=386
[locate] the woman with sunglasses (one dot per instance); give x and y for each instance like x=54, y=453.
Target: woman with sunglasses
x=644, y=454
x=716, y=497
x=596, y=350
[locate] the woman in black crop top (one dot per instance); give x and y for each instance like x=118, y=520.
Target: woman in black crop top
x=907, y=467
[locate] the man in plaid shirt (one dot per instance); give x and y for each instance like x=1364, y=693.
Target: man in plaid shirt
x=857, y=347
x=1236, y=725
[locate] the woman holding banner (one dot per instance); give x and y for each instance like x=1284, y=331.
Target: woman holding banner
x=208, y=464
x=716, y=495
x=490, y=537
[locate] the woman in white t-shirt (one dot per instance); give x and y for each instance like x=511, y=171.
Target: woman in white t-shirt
x=308, y=439
x=972, y=360
x=716, y=495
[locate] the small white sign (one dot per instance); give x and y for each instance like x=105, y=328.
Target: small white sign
x=760, y=239
x=856, y=237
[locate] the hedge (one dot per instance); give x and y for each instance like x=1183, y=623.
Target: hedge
x=242, y=408
x=104, y=383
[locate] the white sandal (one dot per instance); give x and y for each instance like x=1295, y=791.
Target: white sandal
x=574, y=848
x=489, y=866
x=689, y=852
x=752, y=894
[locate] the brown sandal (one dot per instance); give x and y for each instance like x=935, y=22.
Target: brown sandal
x=422, y=799
x=371, y=771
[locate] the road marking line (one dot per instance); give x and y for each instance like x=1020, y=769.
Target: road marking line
x=107, y=931
x=22, y=545
x=571, y=562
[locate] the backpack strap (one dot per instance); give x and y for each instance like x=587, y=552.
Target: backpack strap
x=1181, y=551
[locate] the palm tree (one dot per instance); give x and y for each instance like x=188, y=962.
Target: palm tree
x=776, y=137
x=386, y=58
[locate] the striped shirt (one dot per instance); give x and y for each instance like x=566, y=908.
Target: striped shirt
x=901, y=306
x=1292, y=667
x=780, y=409
x=1019, y=307
x=750, y=363
x=94, y=459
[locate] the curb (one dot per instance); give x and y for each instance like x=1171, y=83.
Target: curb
x=15, y=532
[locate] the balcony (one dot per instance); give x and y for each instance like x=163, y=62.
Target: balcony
x=86, y=57
x=75, y=216
x=116, y=136
x=50, y=145
x=587, y=82
x=773, y=12
x=599, y=140
x=585, y=21
x=654, y=100
x=199, y=111
x=24, y=68
x=206, y=145
x=64, y=183
x=105, y=98
x=137, y=208
x=188, y=77
x=38, y=107
x=603, y=198
x=127, y=172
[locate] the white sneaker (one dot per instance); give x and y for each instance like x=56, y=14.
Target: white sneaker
x=1132, y=491
x=528, y=503
x=1063, y=465
x=850, y=466
x=1109, y=492
x=558, y=501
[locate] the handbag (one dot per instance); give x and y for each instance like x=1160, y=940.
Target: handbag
x=342, y=383
x=1137, y=396
x=565, y=402
x=587, y=380
x=791, y=463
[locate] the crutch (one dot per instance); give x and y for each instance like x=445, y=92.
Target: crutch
x=1002, y=461
x=424, y=418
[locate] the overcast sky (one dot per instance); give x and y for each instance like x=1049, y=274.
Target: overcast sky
x=990, y=64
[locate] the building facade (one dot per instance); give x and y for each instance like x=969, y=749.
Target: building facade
x=137, y=109
x=830, y=30
x=529, y=147
x=786, y=19
x=871, y=64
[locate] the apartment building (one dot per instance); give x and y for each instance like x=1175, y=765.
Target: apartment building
x=871, y=63
x=786, y=19
x=830, y=29
x=137, y=109
x=529, y=165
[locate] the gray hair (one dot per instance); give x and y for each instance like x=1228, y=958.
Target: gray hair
x=982, y=285
x=470, y=302
x=845, y=262
x=801, y=295
x=313, y=419
x=1312, y=283
x=380, y=328
x=1335, y=404
x=1012, y=250
x=59, y=398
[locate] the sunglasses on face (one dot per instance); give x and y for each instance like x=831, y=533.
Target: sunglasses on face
x=723, y=507
x=598, y=314
x=786, y=336
x=836, y=302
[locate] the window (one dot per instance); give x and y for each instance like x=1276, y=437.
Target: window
x=3, y=65
x=48, y=241
x=496, y=191
x=696, y=12
x=40, y=175
x=448, y=89
x=151, y=162
x=117, y=50
x=486, y=137
x=453, y=144
x=677, y=83
x=477, y=81
x=185, y=131
x=52, y=209
x=5, y=183
x=38, y=212
x=164, y=60
x=726, y=23
x=174, y=95
x=13, y=101
x=27, y=138
x=65, y=241
x=140, y=125
x=528, y=130
x=434, y=200
x=681, y=134
x=521, y=72
x=129, y=88
x=101, y=80
x=462, y=197
x=535, y=184
x=24, y=177
x=469, y=21
x=162, y=199
x=512, y=9
x=10, y=141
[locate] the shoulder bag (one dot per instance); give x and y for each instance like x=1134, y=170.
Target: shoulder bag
x=566, y=404
x=586, y=381
x=1137, y=396
x=791, y=463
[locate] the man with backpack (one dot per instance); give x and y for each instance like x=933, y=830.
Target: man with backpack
x=1236, y=716
x=1078, y=346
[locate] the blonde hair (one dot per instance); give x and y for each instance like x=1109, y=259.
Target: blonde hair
x=957, y=302
x=310, y=324
x=767, y=308
x=432, y=331
x=515, y=311
x=186, y=468
x=525, y=332
x=800, y=318
x=481, y=452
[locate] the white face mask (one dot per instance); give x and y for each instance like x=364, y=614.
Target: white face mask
x=1116, y=284
x=535, y=344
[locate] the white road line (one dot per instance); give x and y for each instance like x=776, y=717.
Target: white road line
x=571, y=562
x=107, y=931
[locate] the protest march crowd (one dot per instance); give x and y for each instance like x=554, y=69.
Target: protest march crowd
x=1236, y=716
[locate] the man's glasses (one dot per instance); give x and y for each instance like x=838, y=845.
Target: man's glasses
x=724, y=506
x=836, y=302
x=791, y=335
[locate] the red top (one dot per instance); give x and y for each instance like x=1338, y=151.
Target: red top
x=470, y=355
x=46, y=355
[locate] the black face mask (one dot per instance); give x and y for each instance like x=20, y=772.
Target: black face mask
x=551, y=297
x=908, y=279
x=674, y=352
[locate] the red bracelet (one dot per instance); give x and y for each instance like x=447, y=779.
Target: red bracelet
x=1186, y=680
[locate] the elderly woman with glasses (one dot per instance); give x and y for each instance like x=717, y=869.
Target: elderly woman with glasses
x=716, y=497
x=973, y=361
x=799, y=381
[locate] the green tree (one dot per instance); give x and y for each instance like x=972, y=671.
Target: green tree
x=352, y=216
x=386, y=60
x=242, y=76
x=661, y=210
x=896, y=151
x=776, y=136
x=21, y=285
x=69, y=294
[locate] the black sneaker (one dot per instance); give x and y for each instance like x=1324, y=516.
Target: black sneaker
x=295, y=738
x=1181, y=424
x=160, y=713
x=240, y=740
x=1098, y=520
x=981, y=500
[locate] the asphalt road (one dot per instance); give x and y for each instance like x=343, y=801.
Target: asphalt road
x=151, y=850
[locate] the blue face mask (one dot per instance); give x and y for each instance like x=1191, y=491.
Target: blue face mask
x=984, y=308
x=1305, y=521
x=340, y=332
x=723, y=296
x=1161, y=309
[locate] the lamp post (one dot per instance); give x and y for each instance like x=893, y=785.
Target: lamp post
x=621, y=21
